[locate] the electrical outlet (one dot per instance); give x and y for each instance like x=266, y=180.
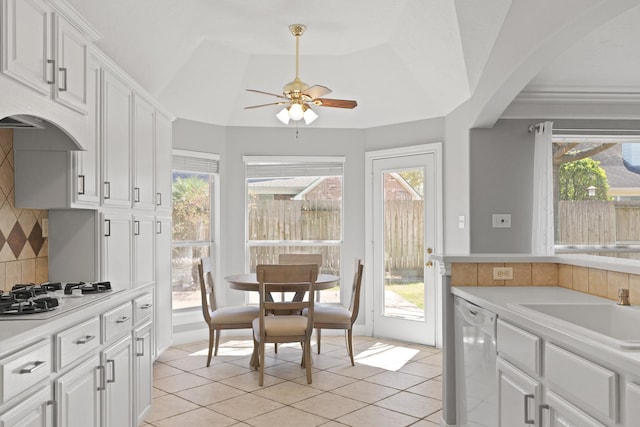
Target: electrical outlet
x=45, y=227
x=501, y=220
x=502, y=273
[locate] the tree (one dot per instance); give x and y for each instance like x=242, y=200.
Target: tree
x=576, y=177
x=190, y=207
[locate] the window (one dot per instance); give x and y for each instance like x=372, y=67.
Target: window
x=294, y=205
x=193, y=191
x=597, y=195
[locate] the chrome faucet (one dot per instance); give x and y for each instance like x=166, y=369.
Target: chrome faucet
x=623, y=297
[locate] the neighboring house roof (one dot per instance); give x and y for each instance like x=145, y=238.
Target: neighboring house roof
x=618, y=174
x=291, y=185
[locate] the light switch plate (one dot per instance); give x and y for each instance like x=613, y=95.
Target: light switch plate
x=501, y=220
x=502, y=273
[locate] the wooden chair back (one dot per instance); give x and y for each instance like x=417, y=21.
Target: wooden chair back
x=287, y=259
x=207, y=295
x=354, y=305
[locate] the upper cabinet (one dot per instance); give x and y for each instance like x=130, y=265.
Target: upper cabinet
x=117, y=101
x=46, y=51
x=143, y=157
x=163, y=163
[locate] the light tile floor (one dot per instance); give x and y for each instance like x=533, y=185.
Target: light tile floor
x=393, y=384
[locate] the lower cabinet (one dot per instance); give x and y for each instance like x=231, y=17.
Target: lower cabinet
x=118, y=384
x=561, y=413
x=518, y=397
x=78, y=394
x=142, y=370
x=36, y=411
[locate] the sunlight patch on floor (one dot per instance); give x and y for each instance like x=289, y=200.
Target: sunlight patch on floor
x=389, y=357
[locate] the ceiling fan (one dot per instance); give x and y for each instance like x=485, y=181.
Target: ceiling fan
x=299, y=96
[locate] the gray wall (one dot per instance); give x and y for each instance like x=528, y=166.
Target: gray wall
x=501, y=173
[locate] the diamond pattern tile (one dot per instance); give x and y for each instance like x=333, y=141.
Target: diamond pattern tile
x=6, y=177
x=35, y=238
x=16, y=239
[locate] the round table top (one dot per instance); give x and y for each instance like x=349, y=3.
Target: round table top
x=249, y=282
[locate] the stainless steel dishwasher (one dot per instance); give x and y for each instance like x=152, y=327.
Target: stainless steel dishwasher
x=476, y=379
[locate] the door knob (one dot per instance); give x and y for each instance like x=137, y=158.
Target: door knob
x=429, y=250
x=429, y=264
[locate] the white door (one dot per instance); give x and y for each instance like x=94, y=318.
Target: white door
x=404, y=224
x=118, y=403
x=78, y=395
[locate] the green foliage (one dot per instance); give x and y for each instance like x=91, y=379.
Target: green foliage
x=415, y=178
x=576, y=177
x=190, y=208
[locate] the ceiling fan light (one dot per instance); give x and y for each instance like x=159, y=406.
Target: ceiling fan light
x=296, y=112
x=309, y=116
x=283, y=116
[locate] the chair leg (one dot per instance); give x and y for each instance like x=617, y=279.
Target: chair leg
x=275, y=348
x=255, y=358
x=261, y=374
x=350, y=344
x=217, y=342
x=210, y=347
x=307, y=356
x=318, y=338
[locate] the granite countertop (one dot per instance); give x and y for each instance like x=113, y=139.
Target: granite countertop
x=499, y=299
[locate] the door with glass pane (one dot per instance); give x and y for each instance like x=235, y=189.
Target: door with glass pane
x=404, y=222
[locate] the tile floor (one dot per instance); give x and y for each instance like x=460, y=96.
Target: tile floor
x=393, y=384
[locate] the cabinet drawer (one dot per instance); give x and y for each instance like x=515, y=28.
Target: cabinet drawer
x=77, y=341
x=25, y=368
x=632, y=403
x=117, y=322
x=143, y=307
x=520, y=347
x=582, y=382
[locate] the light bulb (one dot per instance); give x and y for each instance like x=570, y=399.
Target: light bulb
x=295, y=112
x=283, y=116
x=309, y=116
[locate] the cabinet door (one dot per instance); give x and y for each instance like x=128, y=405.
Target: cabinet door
x=70, y=88
x=518, y=397
x=116, y=142
x=32, y=412
x=87, y=162
x=143, y=342
x=117, y=250
x=118, y=402
x=26, y=47
x=564, y=414
x=144, y=249
x=632, y=404
x=163, y=163
x=163, y=305
x=143, y=142
x=78, y=395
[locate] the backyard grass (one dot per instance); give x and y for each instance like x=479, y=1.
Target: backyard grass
x=412, y=292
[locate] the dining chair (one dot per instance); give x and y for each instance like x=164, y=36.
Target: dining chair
x=337, y=317
x=219, y=318
x=272, y=328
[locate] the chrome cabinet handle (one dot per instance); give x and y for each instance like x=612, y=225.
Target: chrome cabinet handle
x=107, y=227
x=146, y=306
x=136, y=228
x=54, y=410
x=136, y=194
x=158, y=199
x=81, y=184
x=32, y=367
x=122, y=319
x=101, y=385
x=53, y=71
x=85, y=339
x=158, y=227
x=542, y=408
x=140, y=353
x=526, y=409
x=107, y=190
x=113, y=370
x=61, y=88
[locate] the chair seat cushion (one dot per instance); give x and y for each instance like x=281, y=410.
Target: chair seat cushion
x=280, y=326
x=231, y=315
x=330, y=314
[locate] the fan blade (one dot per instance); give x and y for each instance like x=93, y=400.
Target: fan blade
x=337, y=103
x=266, y=93
x=265, y=105
x=316, y=91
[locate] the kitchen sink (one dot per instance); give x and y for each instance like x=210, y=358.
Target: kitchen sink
x=607, y=323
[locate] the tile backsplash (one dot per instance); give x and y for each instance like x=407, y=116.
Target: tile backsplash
x=23, y=250
x=594, y=281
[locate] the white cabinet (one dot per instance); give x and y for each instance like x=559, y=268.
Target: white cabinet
x=561, y=413
x=163, y=306
x=518, y=397
x=143, y=154
x=116, y=141
x=163, y=163
x=45, y=51
x=78, y=395
x=632, y=403
x=118, y=384
x=32, y=412
x=116, y=252
x=144, y=229
x=143, y=367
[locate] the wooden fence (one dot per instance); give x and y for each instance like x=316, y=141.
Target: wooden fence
x=321, y=220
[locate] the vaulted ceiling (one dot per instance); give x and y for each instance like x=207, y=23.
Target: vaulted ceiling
x=402, y=60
